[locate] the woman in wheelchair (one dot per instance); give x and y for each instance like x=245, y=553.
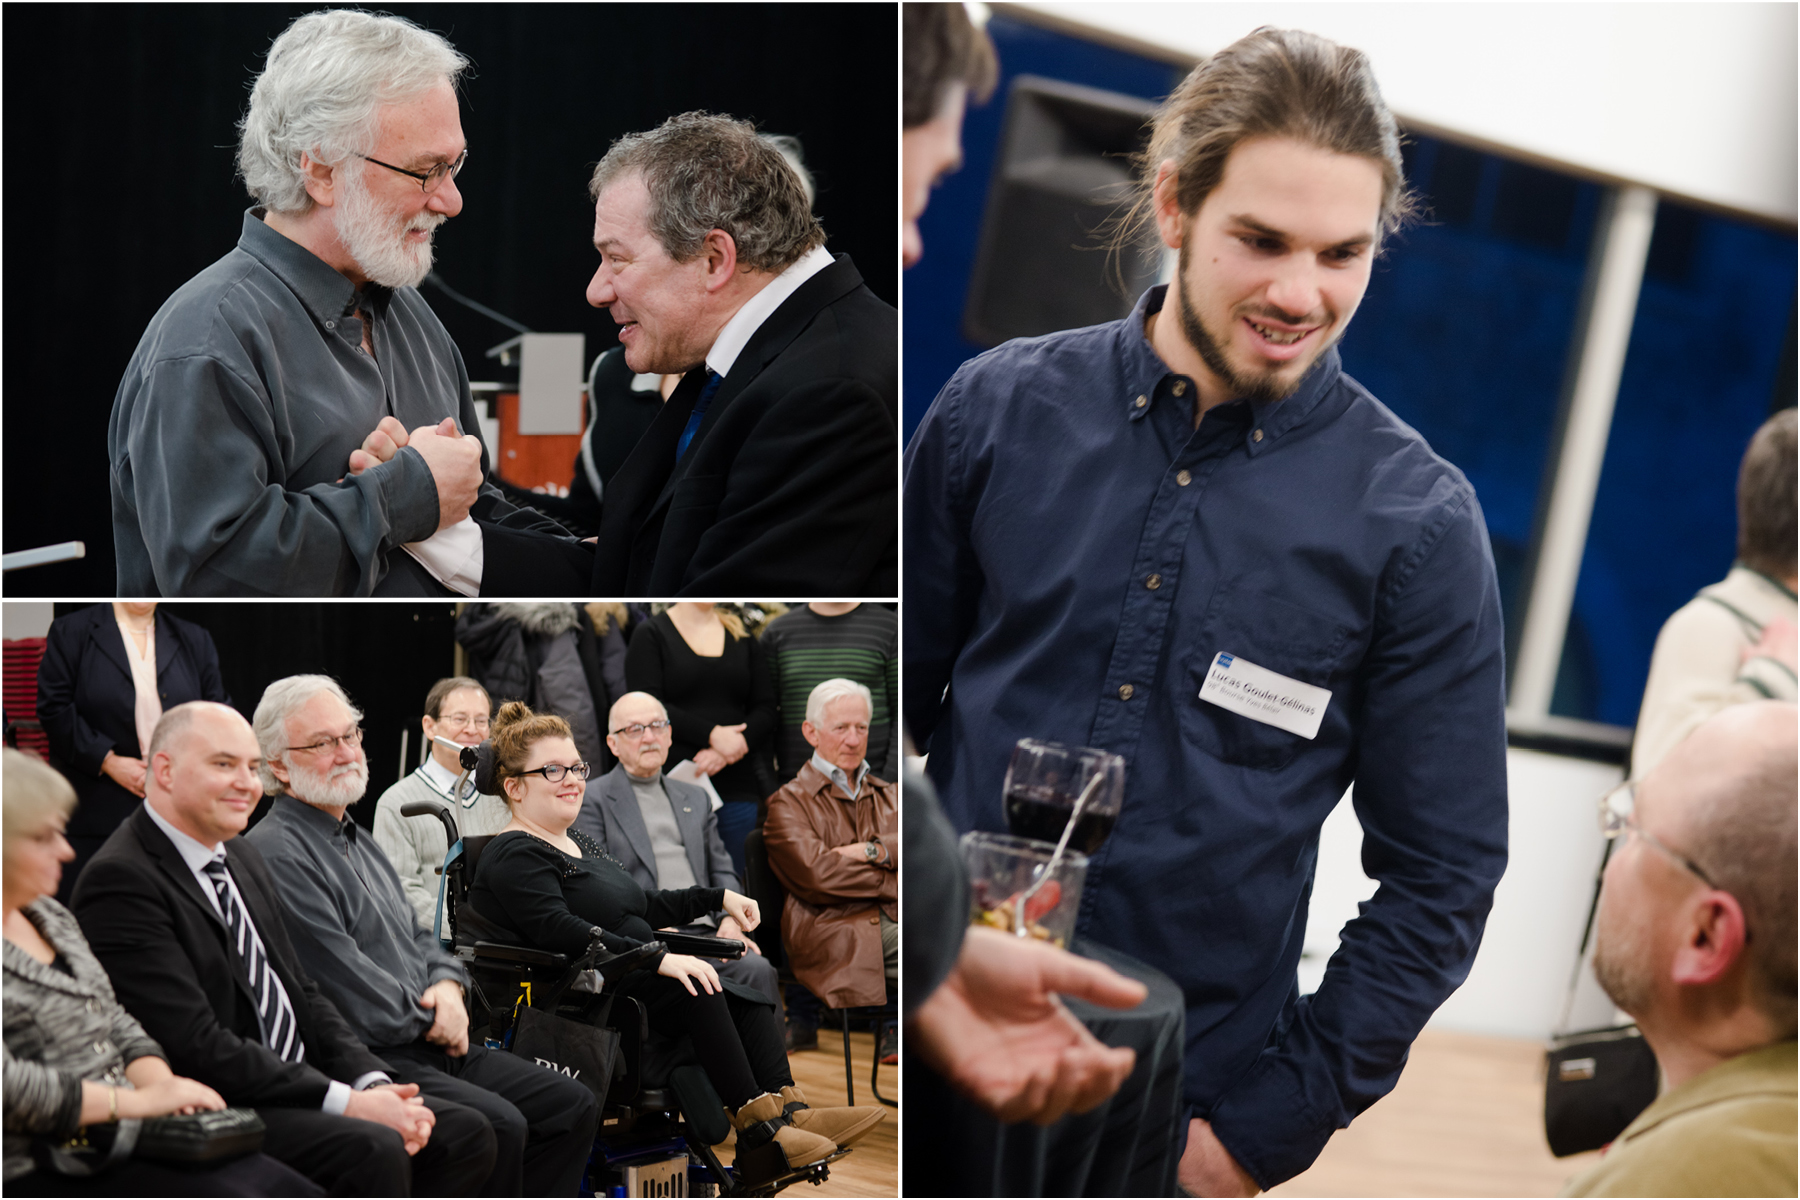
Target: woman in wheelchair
x=552, y=887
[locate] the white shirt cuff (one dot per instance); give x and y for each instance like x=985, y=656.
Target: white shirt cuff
x=337, y=1098
x=453, y=556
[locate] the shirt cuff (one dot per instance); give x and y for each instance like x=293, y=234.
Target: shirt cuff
x=337, y=1098
x=453, y=556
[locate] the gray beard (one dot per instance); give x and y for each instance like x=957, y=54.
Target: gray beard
x=376, y=240
x=323, y=790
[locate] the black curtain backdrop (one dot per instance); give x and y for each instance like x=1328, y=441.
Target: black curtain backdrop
x=386, y=656
x=120, y=132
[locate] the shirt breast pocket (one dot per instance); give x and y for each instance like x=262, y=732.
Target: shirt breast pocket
x=1271, y=633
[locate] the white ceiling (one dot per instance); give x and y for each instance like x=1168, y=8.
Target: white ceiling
x=1698, y=99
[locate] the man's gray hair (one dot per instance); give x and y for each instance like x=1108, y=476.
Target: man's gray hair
x=833, y=690
x=281, y=700
x=324, y=82
x=1744, y=835
x=707, y=172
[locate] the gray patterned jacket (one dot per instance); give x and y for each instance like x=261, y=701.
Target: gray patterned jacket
x=59, y=1031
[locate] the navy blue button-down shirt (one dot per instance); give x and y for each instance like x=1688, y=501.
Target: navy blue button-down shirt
x=1077, y=552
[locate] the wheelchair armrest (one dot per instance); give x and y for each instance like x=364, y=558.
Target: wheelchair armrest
x=524, y=955
x=431, y=808
x=701, y=946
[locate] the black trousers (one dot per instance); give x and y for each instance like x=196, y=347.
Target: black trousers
x=737, y=1040
x=351, y=1157
x=543, y=1122
x=252, y=1175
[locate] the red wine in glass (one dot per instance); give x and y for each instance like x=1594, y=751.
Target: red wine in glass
x=1043, y=783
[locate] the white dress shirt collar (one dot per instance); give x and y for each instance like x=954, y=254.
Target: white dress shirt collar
x=747, y=320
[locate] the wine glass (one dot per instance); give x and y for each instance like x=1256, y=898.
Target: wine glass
x=1043, y=782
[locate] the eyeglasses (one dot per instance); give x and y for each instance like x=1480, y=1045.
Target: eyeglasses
x=1616, y=808
x=349, y=741
x=554, y=772
x=642, y=727
x=463, y=720
x=431, y=180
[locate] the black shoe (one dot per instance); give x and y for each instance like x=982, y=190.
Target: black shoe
x=802, y=1037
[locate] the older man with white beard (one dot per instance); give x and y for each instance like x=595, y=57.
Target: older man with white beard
x=357, y=936
x=296, y=421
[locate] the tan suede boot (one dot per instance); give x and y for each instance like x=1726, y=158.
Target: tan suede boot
x=767, y=1141
x=842, y=1125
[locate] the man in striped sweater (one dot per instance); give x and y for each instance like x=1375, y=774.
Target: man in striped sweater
x=808, y=645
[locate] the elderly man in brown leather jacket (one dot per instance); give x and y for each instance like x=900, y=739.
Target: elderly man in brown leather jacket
x=833, y=837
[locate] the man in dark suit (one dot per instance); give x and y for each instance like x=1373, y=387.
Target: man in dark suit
x=166, y=904
x=89, y=705
x=771, y=468
x=662, y=831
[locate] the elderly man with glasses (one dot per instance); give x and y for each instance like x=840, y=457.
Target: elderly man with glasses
x=663, y=831
x=1696, y=940
x=296, y=421
x=398, y=989
x=456, y=714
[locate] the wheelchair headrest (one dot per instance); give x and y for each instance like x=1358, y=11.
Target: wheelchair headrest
x=484, y=769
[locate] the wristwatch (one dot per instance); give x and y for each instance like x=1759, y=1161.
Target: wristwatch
x=873, y=851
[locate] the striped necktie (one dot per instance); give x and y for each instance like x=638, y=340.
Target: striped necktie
x=713, y=380
x=280, y=1031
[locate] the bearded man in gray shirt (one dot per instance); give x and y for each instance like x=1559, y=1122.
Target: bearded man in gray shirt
x=396, y=986
x=663, y=831
x=296, y=421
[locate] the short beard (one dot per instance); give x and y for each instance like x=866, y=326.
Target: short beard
x=1619, y=958
x=337, y=788
x=1262, y=388
x=376, y=239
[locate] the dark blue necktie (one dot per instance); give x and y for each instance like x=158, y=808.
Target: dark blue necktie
x=713, y=380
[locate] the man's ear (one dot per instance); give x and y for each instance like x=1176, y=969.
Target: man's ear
x=1171, y=222
x=279, y=770
x=1712, y=941
x=720, y=252
x=810, y=732
x=162, y=769
x=321, y=180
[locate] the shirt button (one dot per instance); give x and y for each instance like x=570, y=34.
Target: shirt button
x=1183, y=478
x=331, y=324
x=1142, y=400
x=874, y=920
x=1154, y=582
x=1125, y=690
x=1257, y=436
x=1180, y=388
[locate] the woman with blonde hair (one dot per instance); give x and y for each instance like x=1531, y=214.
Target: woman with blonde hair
x=552, y=887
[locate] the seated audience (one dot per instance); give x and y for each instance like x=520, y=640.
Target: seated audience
x=166, y=904
x=74, y=1057
x=400, y=992
x=1735, y=641
x=107, y=674
x=1696, y=940
x=833, y=841
x=456, y=708
x=553, y=887
x=664, y=832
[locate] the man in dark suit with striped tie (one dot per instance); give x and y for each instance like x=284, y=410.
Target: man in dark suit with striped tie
x=182, y=914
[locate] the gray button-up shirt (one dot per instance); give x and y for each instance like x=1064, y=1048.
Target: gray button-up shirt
x=350, y=922
x=232, y=430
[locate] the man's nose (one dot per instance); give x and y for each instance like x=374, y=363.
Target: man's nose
x=1295, y=288
x=600, y=290
x=446, y=199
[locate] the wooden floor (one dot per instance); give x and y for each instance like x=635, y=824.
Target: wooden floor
x=1466, y=1119
x=872, y=1168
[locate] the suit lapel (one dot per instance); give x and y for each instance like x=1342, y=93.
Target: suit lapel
x=691, y=807
x=110, y=641
x=169, y=860
x=622, y=800
x=165, y=646
x=773, y=336
x=632, y=491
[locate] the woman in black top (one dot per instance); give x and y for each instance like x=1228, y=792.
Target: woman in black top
x=553, y=886
x=712, y=678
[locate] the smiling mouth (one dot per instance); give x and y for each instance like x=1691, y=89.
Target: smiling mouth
x=1278, y=337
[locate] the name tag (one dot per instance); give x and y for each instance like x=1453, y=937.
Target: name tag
x=1262, y=695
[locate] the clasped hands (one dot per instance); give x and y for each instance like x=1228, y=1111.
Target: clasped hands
x=453, y=458
x=726, y=745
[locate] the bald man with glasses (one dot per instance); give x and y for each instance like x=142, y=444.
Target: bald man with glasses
x=1696, y=941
